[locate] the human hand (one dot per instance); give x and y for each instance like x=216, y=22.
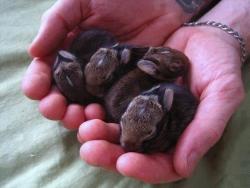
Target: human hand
x=214, y=78
x=129, y=21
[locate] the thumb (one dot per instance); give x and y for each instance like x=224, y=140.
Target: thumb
x=213, y=113
x=57, y=22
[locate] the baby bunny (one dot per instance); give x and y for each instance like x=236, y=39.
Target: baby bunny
x=154, y=68
x=68, y=70
x=124, y=90
x=69, y=78
x=88, y=42
x=161, y=61
x=154, y=120
x=109, y=64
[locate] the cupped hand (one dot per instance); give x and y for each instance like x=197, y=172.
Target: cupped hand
x=141, y=22
x=214, y=78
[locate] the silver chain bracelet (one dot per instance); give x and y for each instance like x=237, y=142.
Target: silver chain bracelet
x=228, y=30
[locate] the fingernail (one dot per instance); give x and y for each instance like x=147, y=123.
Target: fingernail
x=81, y=129
x=80, y=140
x=192, y=161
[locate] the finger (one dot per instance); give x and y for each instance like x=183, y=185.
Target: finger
x=94, y=111
x=99, y=130
x=37, y=80
x=73, y=117
x=57, y=22
x=214, y=111
x=53, y=106
x=101, y=153
x=157, y=168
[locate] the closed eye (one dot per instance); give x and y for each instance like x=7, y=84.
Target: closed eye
x=165, y=52
x=150, y=135
x=69, y=81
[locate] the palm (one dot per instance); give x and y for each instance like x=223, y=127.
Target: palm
x=215, y=66
x=130, y=21
x=214, y=78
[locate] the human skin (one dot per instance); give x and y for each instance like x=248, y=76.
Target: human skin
x=130, y=22
x=215, y=78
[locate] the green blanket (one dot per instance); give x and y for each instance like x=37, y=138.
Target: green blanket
x=35, y=152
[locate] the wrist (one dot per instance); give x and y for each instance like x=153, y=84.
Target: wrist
x=185, y=10
x=191, y=9
x=234, y=14
x=212, y=32
x=221, y=31
x=221, y=35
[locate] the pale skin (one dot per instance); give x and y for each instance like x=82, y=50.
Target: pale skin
x=215, y=78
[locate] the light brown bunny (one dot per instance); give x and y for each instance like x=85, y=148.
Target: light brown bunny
x=108, y=65
x=164, y=63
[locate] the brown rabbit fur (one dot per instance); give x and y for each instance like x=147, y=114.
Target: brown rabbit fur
x=155, y=119
x=153, y=68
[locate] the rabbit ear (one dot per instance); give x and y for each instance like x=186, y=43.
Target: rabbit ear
x=168, y=99
x=66, y=56
x=147, y=66
x=125, y=56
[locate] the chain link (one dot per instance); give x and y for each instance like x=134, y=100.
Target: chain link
x=228, y=30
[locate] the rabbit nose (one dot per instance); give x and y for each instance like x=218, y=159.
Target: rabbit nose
x=130, y=146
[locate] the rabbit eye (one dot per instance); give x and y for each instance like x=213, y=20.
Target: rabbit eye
x=104, y=77
x=149, y=132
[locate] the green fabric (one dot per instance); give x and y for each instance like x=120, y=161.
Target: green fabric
x=35, y=152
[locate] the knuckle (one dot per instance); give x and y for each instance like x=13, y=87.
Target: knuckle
x=214, y=135
x=231, y=89
x=210, y=138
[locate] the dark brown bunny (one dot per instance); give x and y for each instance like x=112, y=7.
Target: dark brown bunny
x=154, y=120
x=124, y=90
x=69, y=78
x=88, y=42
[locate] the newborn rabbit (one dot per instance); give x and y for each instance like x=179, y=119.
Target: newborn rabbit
x=164, y=63
x=68, y=70
x=69, y=78
x=88, y=42
x=109, y=64
x=155, y=119
x=159, y=64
